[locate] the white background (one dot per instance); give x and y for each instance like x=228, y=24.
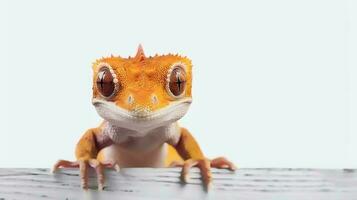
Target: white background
x=275, y=82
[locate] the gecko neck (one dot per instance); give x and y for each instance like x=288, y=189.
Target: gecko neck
x=119, y=134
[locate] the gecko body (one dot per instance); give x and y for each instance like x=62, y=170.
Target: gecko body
x=141, y=100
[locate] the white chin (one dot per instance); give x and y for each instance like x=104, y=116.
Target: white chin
x=125, y=119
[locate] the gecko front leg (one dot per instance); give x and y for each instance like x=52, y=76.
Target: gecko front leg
x=190, y=151
x=87, y=156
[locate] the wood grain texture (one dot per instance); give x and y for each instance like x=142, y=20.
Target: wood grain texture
x=149, y=183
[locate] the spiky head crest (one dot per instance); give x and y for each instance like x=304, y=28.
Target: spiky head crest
x=140, y=55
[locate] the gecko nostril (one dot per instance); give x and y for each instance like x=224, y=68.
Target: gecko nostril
x=130, y=99
x=154, y=99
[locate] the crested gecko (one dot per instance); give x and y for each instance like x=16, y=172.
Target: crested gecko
x=140, y=100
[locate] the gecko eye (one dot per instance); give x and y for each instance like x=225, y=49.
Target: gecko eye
x=177, y=81
x=106, y=82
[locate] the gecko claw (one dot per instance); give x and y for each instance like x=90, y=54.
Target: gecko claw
x=64, y=164
x=205, y=167
x=100, y=187
x=202, y=164
x=117, y=168
x=223, y=163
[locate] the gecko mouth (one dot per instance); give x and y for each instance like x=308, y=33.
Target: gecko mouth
x=141, y=119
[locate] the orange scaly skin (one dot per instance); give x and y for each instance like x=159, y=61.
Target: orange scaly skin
x=140, y=118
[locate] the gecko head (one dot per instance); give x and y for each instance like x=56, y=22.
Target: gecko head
x=142, y=92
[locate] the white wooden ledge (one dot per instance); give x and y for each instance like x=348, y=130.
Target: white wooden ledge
x=148, y=183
